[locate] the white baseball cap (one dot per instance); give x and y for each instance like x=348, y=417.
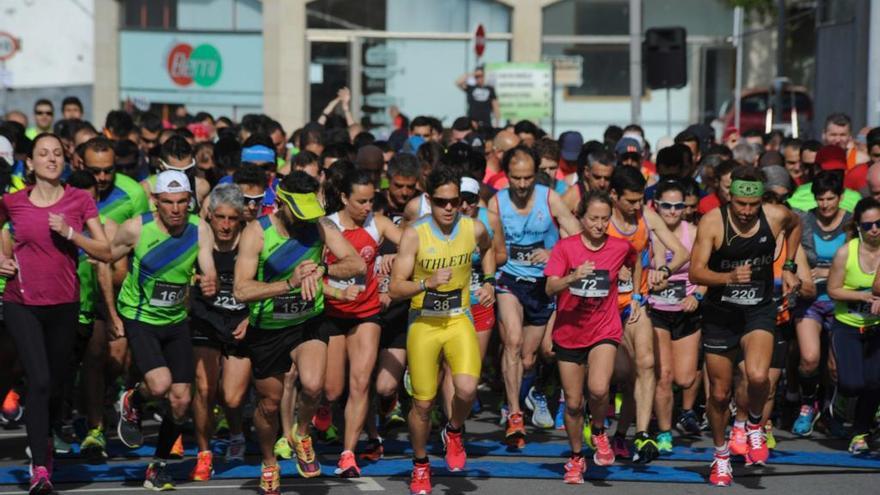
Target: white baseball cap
x=470, y=185
x=172, y=181
x=6, y=150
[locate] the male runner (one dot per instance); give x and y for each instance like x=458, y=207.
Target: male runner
x=278, y=273
x=733, y=256
x=529, y=215
x=162, y=248
x=433, y=267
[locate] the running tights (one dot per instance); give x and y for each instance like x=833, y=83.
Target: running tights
x=44, y=337
x=858, y=370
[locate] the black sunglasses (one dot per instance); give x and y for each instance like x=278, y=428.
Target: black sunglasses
x=866, y=226
x=470, y=198
x=444, y=202
x=671, y=206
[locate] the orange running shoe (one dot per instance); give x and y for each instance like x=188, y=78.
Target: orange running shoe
x=323, y=418
x=516, y=431
x=347, y=467
x=420, y=482
x=739, y=444
x=204, y=467
x=270, y=480
x=574, y=470
x=12, y=410
x=374, y=451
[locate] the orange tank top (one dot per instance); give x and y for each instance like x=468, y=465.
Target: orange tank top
x=640, y=241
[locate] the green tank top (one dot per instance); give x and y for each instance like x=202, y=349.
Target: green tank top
x=856, y=314
x=160, y=270
x=278, y=258
x=88, y=285
x=127, y=199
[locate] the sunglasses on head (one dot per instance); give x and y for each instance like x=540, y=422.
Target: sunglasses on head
x=252, y=201
x=664, y=205
x=101, y=170
x=444, y=202
x=470, y=198
x=866, y=226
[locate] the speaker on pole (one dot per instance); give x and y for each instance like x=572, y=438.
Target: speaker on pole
x=664, y=54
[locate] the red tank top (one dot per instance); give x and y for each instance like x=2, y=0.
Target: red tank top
x=366, y=242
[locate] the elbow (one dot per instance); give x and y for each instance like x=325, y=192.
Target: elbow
x=105, y=255
x=239, y=293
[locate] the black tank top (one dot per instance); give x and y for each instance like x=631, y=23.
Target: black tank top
x=223, y=309
x=757, y=250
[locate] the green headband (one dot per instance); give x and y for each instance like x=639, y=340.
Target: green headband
x=747, y=188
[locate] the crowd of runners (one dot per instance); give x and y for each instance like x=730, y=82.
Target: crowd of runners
x=329, y=284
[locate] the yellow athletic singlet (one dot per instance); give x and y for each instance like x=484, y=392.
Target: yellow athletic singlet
x=440, y=319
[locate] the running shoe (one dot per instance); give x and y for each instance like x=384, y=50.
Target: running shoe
x=516, y=431
x=330, y=435
x=588, y=434
x=420, y=481
x=323, y=418
x=645, y=448
x=456, y=457
x=157, y=478
x=859, y=445
x=806, y=420
x=374, y=450
x=618, y=403
x=236, y=448
x=204, y=468
x=12, y=410
x=270, y=480
x=536, y=402
x=768, y=431
x=40, y=481
x=739, y=444
x=574, y=470
x=282, y=449
x=604, y=455
x=559, y=420
x=177, y=450
x=664, y=442
x=60, y=444
x=721, y=472
x=758, y=451
x=477, y=406
x=347, y=466
x=505, y=413
x=306, y=461
x=221, y=425
x=689, y=424
x=129, y=426
x=620, y=447
x=94, y=446
x=395, y=417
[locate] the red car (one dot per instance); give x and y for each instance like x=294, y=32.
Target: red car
x=756, y=103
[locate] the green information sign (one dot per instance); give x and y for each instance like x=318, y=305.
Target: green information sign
x=524, y=90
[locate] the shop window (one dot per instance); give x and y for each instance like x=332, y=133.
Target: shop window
x=587, y=17
x=147, y=14
x=346, y=14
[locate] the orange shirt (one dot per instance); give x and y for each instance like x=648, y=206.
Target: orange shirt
x=639, y=240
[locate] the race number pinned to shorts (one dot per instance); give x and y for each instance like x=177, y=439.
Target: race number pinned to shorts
x=748, y=294
x=673, y=293
x=166, y=295
x=291, y=307
x=521, y=254
x=345, y=283
x=597, y=284
x=384, y=283
x=442, y=303
x=624, y=286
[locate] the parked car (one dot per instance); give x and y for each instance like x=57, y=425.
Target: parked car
x=756, y=106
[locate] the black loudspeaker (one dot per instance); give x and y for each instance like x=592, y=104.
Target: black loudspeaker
x=664, y=55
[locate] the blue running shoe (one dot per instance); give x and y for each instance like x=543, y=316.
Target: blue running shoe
x=536, y=401
x=559, y=420
x=803, y=425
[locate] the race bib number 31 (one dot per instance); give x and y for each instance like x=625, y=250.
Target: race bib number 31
x=167, y=295
x=748, y=294
x=598, y=284
x=291, y=307
x=522, y=254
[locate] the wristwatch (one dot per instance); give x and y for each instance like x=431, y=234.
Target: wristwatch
x=790, y=266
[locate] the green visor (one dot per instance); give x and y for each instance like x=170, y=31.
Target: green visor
x=304, y=206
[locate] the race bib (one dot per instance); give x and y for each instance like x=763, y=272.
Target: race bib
x=748, y=294
x=624, y=286
x=291, y=307
x=437, y=303
x=476, y=280
x=674, y=293
x=521, y=254
x=167, y=295
x=344, y=283
x=384, y=282
x=225, y=300
x=598, y=284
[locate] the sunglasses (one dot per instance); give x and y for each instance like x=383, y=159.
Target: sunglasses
x=253, y=201
x=444, y=202
x=470, y=198
x=866, y=226
x=101, y=170
x=43, y=112
x=671, y=206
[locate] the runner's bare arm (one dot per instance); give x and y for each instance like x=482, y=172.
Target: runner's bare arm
x=499, y=247
x=96, y=244
x=667, y=237
x=836, y=276
x=487, y=248
x=401, y=286
x=348, y=262
x=126, y=238
x=808, y=287
x=388, y=230
x=208, y=277
x=710, y=226
x=570, y=198
x=568, y=224
x=411, y=210
x=246, y=288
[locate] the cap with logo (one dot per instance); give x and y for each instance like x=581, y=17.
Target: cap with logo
x=172, y=181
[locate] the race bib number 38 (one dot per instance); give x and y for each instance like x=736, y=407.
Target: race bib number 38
x=598, y=284
x=437, y=303
x=748, y=294
x=291, y=307
x=167, y=295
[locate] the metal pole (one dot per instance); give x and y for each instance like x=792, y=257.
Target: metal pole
x=3, y=88
x=635, y=61
x=737, y=42
x=873, y=110
x=668, y=114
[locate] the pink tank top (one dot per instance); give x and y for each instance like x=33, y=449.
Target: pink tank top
x=669, y=299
